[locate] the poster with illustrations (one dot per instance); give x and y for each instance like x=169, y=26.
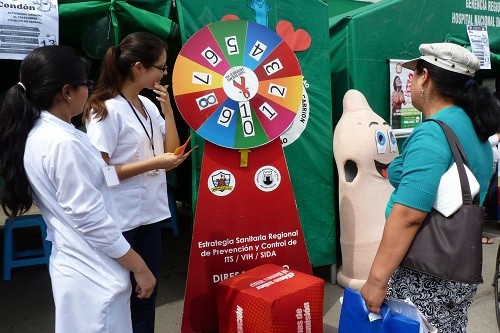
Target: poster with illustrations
x=404, y=117
x=26, y=25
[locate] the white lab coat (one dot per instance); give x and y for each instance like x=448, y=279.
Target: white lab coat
x=91, y=289
x=141, y=199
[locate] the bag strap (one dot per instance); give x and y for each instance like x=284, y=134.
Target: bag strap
x=460, y=160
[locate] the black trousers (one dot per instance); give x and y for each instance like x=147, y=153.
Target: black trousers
x=146, y=241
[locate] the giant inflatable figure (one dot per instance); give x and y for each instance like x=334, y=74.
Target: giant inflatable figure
x=363, y=145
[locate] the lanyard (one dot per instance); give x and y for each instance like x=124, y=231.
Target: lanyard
x=143, y=127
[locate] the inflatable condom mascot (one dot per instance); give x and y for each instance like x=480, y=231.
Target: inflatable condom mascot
x=363, y=145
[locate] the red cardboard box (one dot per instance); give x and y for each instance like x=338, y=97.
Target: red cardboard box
x=271, y=299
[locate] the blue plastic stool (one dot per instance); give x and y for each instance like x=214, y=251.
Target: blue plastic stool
x=172, y=221
x=18, y=258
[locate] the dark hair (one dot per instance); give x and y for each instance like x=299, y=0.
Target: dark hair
x=394, y=81
x=116, y=68
x=477, y=101
x=43, y=73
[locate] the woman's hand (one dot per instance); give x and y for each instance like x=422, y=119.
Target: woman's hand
x=169, y=161
x=373, y=295
x=145, y=283
x=164, y=161
x=399, y=231
x=163, y=97
x=142, y=274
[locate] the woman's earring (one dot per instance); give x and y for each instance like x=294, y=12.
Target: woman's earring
x=422, y=93
x=69, y=97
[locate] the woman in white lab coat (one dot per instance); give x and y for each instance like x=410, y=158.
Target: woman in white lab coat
x=44, y=158
x=133, y=137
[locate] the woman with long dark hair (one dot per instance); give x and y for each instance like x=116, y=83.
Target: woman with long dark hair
x=139, y=143
x=45, y=159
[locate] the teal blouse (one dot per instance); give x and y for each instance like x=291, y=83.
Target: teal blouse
x=426, y=156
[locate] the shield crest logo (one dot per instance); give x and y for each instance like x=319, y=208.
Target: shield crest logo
x=221, y=182
x=221, y=179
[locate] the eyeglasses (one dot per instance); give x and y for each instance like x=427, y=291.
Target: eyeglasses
x=89, y=84
x=161, y=68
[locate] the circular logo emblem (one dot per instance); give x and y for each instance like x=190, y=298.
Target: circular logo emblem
x=240, y=83
x=267, y=178
x=237, y=84
x=221, y=182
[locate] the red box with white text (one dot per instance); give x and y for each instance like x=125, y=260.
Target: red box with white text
x=271, y=299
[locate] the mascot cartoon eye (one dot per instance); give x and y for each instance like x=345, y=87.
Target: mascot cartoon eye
x=393, y=144
x=381, y=141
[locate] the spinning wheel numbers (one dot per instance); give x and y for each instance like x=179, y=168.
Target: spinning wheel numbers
x=237, y=84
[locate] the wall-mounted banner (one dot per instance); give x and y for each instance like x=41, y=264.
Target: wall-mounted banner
x=26, y=25
x=404, y=117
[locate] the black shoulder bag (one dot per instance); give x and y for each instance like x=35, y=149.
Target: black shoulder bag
x=450, y=247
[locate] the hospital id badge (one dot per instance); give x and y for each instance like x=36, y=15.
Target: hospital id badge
x=153, y=172
x=110, y=176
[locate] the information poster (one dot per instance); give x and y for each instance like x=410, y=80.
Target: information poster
x=480, y=45
x=404, y=117
x=26, y=25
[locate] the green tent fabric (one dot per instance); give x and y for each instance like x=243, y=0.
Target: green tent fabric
x=310, y=157
x=338, y=7
x=363, y=40
x=126, y=17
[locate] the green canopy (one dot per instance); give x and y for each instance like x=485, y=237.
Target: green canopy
x=126, y=16
x=338, y=7
x=363, y=40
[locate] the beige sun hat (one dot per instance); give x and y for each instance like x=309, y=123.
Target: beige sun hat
x=448, y=56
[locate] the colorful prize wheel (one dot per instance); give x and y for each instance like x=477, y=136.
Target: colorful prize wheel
x=237, y=84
